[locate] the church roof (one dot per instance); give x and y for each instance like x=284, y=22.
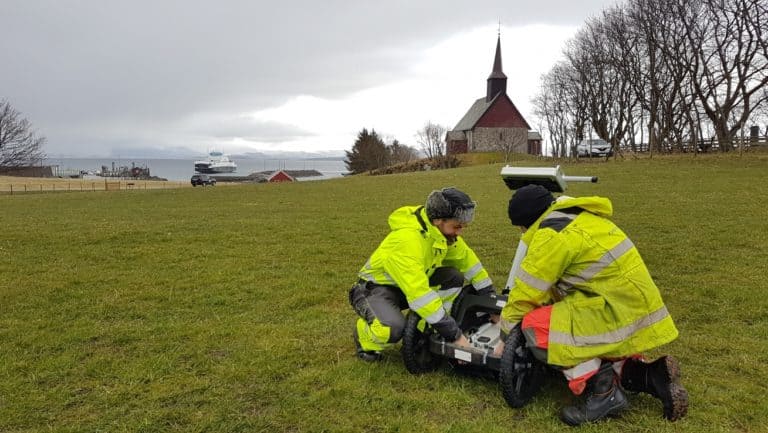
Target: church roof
x=474, y=114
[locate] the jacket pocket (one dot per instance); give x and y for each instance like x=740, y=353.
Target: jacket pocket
x=590, y=322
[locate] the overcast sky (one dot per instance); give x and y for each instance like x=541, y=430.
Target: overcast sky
x=178, y=78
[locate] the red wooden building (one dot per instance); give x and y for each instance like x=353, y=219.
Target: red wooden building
x=280, y=176
x=493, y=123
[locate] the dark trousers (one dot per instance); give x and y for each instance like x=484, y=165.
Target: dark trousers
x=380, y=308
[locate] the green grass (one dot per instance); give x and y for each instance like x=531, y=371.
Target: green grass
x=224, y=309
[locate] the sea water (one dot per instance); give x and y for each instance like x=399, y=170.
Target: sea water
x=183, y=169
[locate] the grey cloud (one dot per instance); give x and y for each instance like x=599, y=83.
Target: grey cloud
x=81, y=64
x=252, y=130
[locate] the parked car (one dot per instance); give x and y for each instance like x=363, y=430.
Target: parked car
x=593, y=147
x=202, y=179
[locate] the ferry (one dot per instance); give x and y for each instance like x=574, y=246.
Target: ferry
x=217, y=162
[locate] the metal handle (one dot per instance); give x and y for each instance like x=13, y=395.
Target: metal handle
x=592, y=179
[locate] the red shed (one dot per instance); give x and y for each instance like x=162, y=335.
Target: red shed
x=280, y=176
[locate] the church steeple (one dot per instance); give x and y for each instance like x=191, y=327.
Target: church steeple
x=497, y=81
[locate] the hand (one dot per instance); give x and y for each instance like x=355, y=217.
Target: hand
x=495, y=318
x=499, y=349
x=462, y=342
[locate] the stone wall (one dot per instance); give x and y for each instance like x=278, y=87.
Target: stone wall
x=491, y=139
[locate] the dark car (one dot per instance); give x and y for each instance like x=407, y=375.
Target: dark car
x=202, y=179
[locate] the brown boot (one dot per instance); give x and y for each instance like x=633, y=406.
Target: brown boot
x=604, y=398
x=661, y=379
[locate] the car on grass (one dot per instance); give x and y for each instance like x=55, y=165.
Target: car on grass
x=594, y=148
x=202, y=179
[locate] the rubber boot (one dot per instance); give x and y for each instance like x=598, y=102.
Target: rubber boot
x=604, y=397
x=365, y=355
x=661, y=379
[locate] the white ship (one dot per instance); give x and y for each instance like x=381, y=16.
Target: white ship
x=217, y=162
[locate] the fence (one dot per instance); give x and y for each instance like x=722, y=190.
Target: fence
x=705, y=146
x=28, y=185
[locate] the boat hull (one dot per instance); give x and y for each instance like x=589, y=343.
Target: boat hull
x=208, y=169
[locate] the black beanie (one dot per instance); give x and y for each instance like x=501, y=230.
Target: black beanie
x=528, y=203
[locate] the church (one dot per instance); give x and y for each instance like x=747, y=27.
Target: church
x=493, y=123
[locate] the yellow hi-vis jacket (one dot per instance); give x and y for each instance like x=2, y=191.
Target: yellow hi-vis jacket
x=408, y=257
x=605, y=303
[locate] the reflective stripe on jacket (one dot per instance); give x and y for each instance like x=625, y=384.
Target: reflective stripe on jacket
x=605, y=302
x=409, y=255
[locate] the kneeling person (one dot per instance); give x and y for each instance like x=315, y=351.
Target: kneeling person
x=422, y=264
x=587, y=305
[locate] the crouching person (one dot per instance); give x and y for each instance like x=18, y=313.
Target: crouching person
x=587, y=306
x=422, y=265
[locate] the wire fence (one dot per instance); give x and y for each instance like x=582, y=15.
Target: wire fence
x=707, y=146
x=42, y=185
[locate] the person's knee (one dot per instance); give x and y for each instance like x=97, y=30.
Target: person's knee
x=392, y=329
x=396, y=333
x=380, y=333
x=447, y=277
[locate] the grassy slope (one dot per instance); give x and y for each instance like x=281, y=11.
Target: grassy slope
x=224, y=309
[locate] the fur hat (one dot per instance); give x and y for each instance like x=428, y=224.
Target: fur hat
x=450, y=203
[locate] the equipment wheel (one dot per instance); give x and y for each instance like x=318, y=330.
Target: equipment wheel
x=415, y=350
x=521, y=374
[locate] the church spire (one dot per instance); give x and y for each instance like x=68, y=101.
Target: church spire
x=497, y=81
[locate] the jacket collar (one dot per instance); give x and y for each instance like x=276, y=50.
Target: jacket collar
x=429, y=230
x=597, y=205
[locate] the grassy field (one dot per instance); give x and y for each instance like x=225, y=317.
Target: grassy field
x=225, y=309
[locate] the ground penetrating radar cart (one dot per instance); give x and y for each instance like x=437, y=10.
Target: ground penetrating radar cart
x=519, y=372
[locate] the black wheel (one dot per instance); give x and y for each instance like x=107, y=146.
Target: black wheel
x=521, y=374
x=415, y=350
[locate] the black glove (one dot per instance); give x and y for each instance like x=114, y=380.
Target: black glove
x=490, y=290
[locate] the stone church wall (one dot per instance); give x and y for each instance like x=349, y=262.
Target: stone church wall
x=498, y=139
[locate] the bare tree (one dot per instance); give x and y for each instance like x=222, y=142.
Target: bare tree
x=505, y=144
x=730, y=69
x=553, y=105
x=604, y=47
x=19, y=145
x=682, y=68
x=430, y=139
x=661, y=69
